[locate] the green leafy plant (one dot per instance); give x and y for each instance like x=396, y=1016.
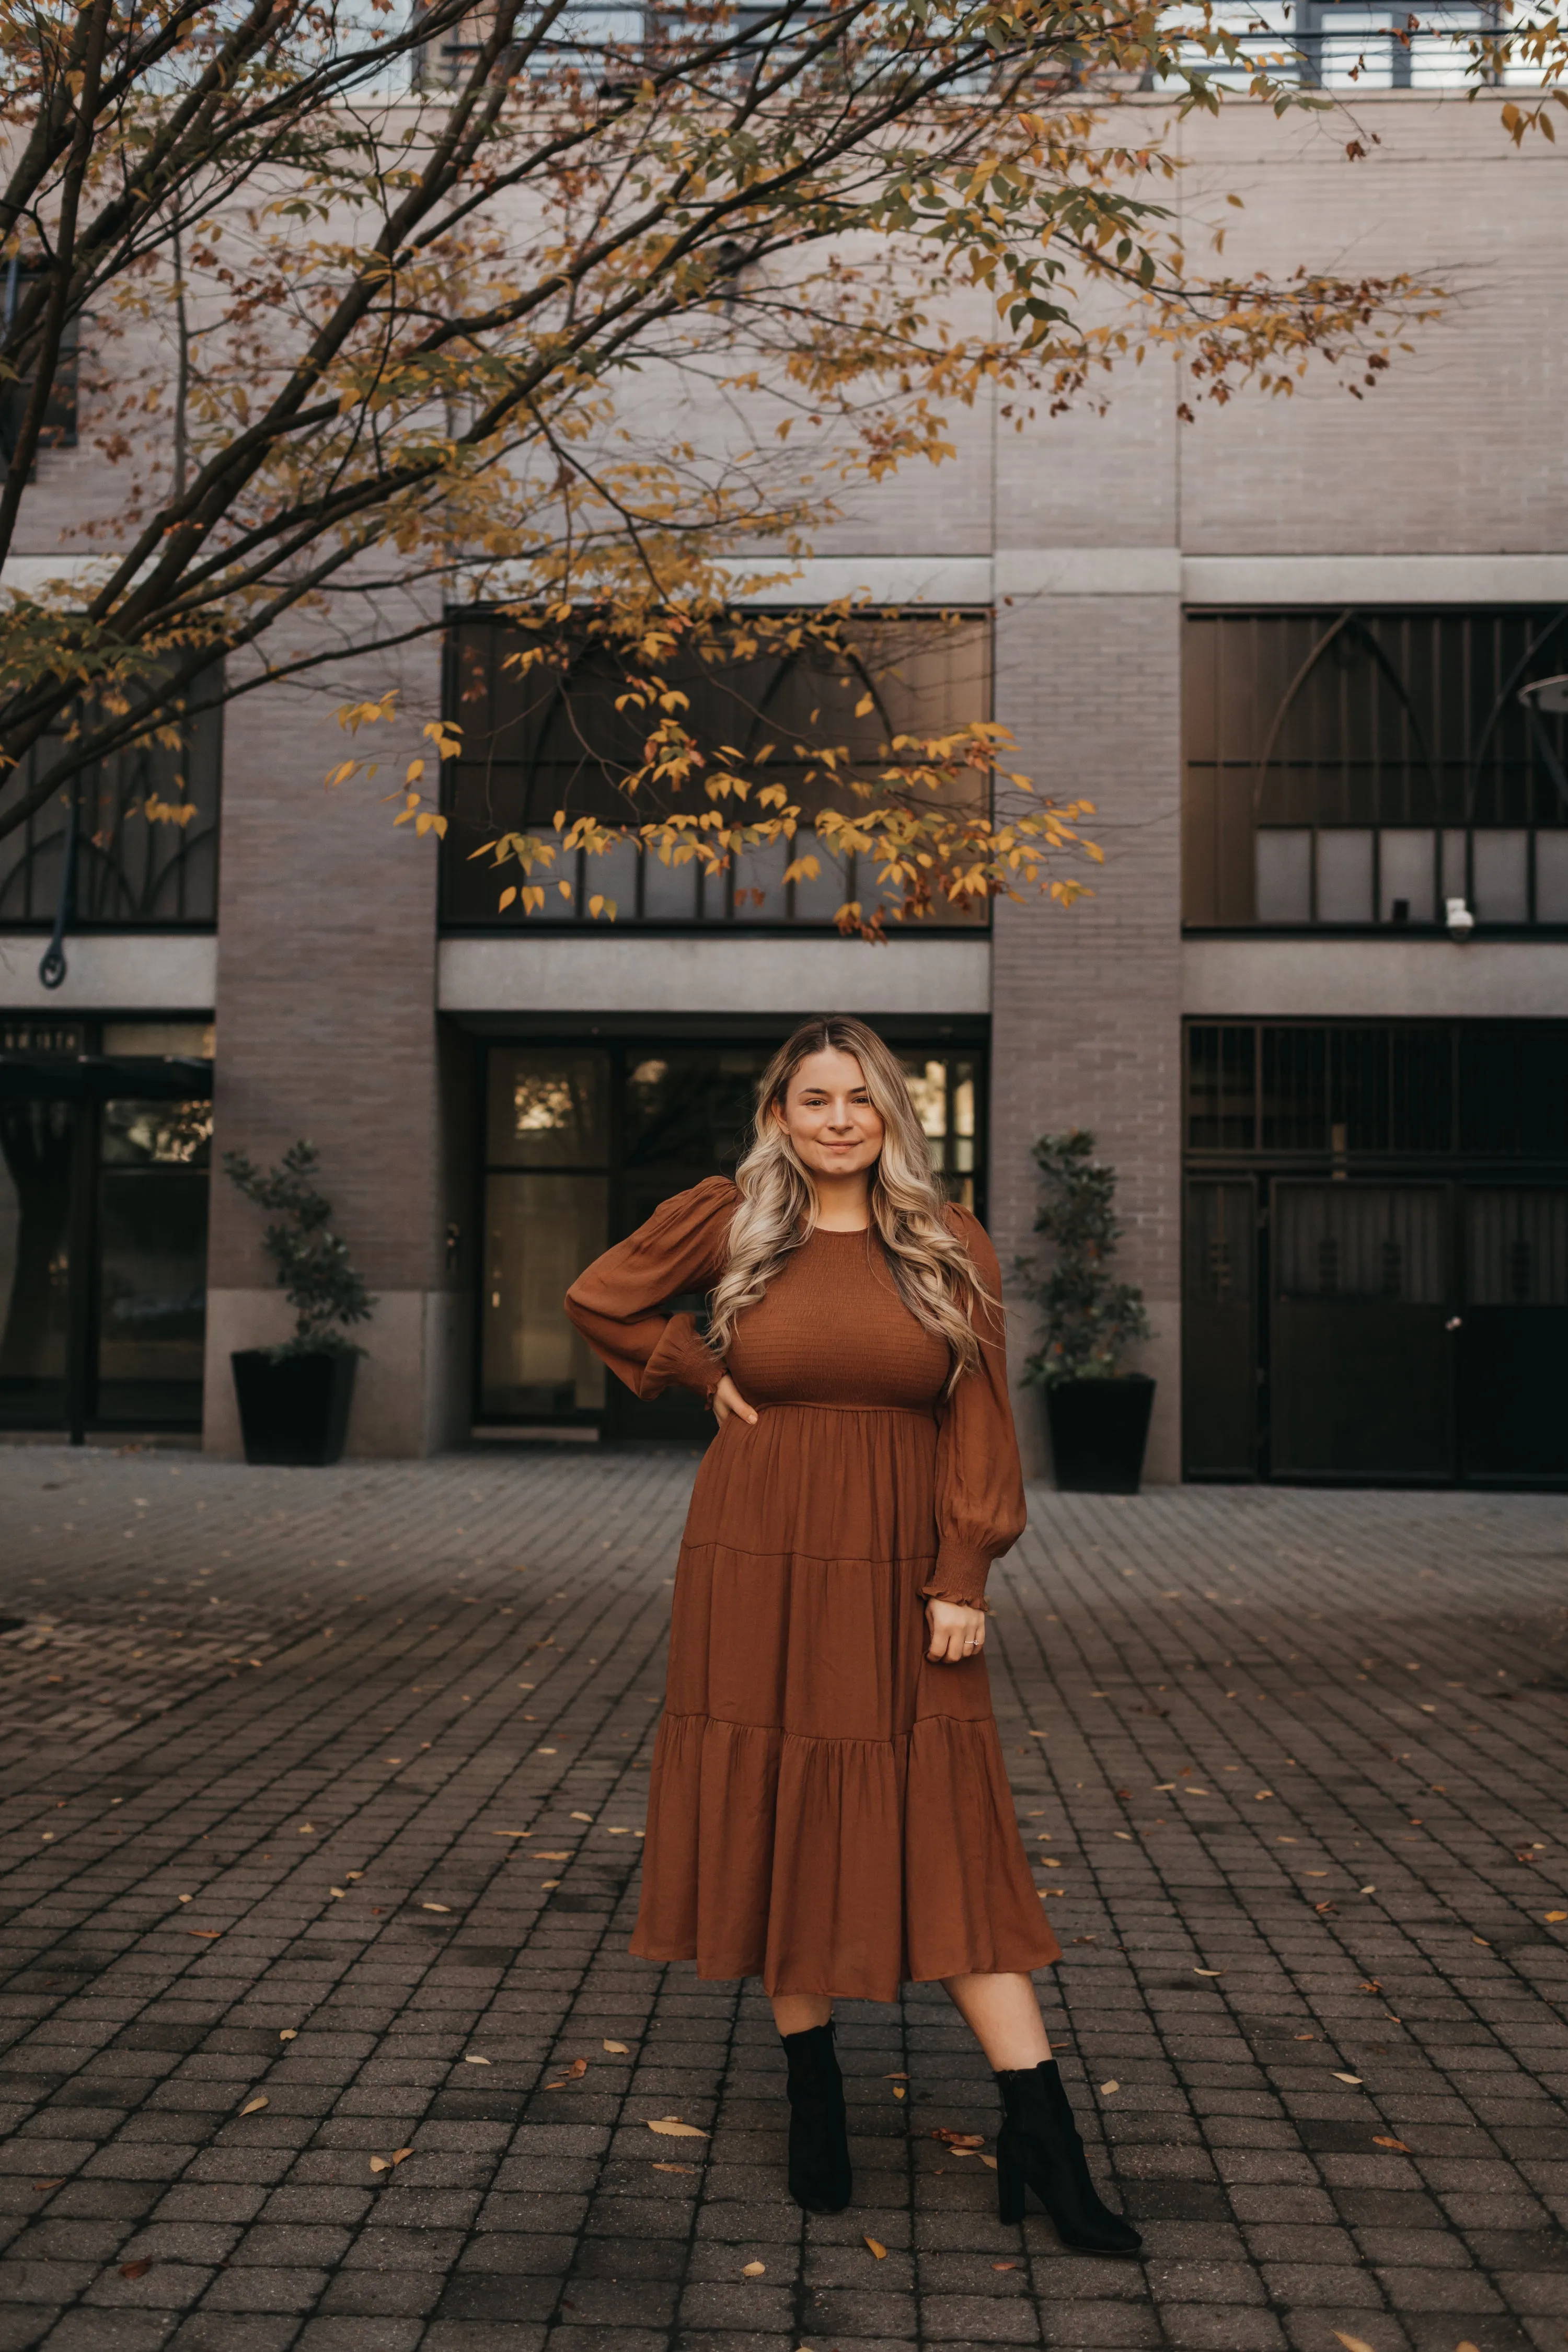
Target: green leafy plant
x=1088, y=1319
x=325, y=1290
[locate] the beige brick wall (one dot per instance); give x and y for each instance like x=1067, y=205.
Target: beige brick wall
x=1086, y=1001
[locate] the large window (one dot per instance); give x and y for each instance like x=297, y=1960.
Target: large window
x=583, y=1142
x=94, y=841
x=539, y=742
x=1362, y=769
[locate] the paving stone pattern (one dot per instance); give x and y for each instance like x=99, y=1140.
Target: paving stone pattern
x=1292, y=1765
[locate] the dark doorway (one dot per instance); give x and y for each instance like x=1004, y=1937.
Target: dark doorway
x=103, y=1216
x=584, y=1139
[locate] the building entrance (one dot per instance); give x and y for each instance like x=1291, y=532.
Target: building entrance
x=1372, y=1324
x=105, y=1138
x=583, y=1139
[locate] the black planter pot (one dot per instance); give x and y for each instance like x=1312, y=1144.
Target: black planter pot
x=1099, y=1431
x=294, y=1410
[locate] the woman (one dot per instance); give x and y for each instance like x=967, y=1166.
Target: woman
x=828, y=1807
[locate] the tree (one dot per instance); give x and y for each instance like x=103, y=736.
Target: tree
x=1086, y=1318
x=365, y=298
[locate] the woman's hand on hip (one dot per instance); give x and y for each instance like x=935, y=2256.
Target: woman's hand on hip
x=728, y=1401
x=957, y=1633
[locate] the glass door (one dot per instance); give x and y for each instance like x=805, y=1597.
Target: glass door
x=41, y=1145
x=1362, y=1356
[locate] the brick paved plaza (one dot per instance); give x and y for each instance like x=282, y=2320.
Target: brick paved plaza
x=320, y=1857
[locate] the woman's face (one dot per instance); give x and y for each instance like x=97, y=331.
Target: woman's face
x=828, y=1116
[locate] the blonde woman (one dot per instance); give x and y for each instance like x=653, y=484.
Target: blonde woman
x=828, y=1807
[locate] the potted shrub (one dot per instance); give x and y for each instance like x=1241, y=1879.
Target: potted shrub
x=294, y=1398
x=1097, y=1414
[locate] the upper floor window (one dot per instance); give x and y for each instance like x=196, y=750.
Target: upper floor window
x=59, y=431
x=1368, y=767
x=1366, y=45
x=544, y=740
x=95, y=840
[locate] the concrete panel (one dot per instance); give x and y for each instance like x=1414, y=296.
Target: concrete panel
x=1477, y=579
x=610, y=972
x=112, y=973
x=1487, y=979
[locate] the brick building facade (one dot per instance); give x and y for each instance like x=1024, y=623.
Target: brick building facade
x=347, y=1008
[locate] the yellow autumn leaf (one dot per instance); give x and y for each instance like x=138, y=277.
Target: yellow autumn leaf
x=1106, y=2088
x=434, y=1907
x=1353, y=2343
x=1554, y=1916
x=399, y=2154
x=619, y=2049
x=878, y=2248
x=253, y=2107
x=753, y=2270
x=381, y=2164
x=1347, y=2078
x=472, y=2058
x=290, y=2034
x=671, y=2127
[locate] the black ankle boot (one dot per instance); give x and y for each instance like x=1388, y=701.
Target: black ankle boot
x=819, y=2174
x=1038, y=2145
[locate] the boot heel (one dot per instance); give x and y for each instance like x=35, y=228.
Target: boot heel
x=1009, y=2189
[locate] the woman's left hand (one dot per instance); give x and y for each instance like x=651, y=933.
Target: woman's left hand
x=956, y=1633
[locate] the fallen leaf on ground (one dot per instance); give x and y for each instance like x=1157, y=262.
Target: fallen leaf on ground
x=341, y=1892
x=673, y=2129
x=1003, y=2266
x=1485, y=1940
x=550, y=1882
x=434, y=1907
x=896, y=2077
x=1208, y=1972
x=1554, y=1916
x=136, y=2270
x=624, y=1830
x=41, y=2185
x=1326, y=1907
x=208, y=1935
x=1124, y=1833
x=400, y=2154
x=252, y=2106
x=381, y=2164
x=511, y=1833
x=544, y=1855
x=877, y=2248
x=1353, y=2343
x=1347, y=2078
x=672, y=2168
x=621, y=2048
x=899, y=2092
x=1380, y=2140
x=1466, y=2347
x=951, y=2139
x=575, y=2071
x=472, y=2058
x=990, y=2161
x=753, y=2270
x=290, y=2034
x=580, y=1817
x=1106, y=2088
x=544, y=1751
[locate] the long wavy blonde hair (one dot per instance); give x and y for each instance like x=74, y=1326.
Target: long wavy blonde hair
x=934, y=1274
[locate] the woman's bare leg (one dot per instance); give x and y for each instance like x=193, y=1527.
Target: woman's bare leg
x=797, y=2013
x=1003, y=2014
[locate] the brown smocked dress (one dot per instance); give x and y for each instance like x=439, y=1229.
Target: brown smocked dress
x=827, y=1809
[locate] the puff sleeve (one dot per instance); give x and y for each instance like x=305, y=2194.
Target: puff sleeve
x=980, y=1509
x=615, y=1302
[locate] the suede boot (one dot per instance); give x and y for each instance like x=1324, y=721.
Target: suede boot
x=820, y=2180
x=1038, y=2146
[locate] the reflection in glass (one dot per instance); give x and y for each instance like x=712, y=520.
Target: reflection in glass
x=153, y=1257
x=35, y=1145
x=539, y=1232
x=690, y=1108
x=548, y=1108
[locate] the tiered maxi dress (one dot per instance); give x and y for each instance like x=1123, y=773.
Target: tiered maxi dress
x=828, y=1809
